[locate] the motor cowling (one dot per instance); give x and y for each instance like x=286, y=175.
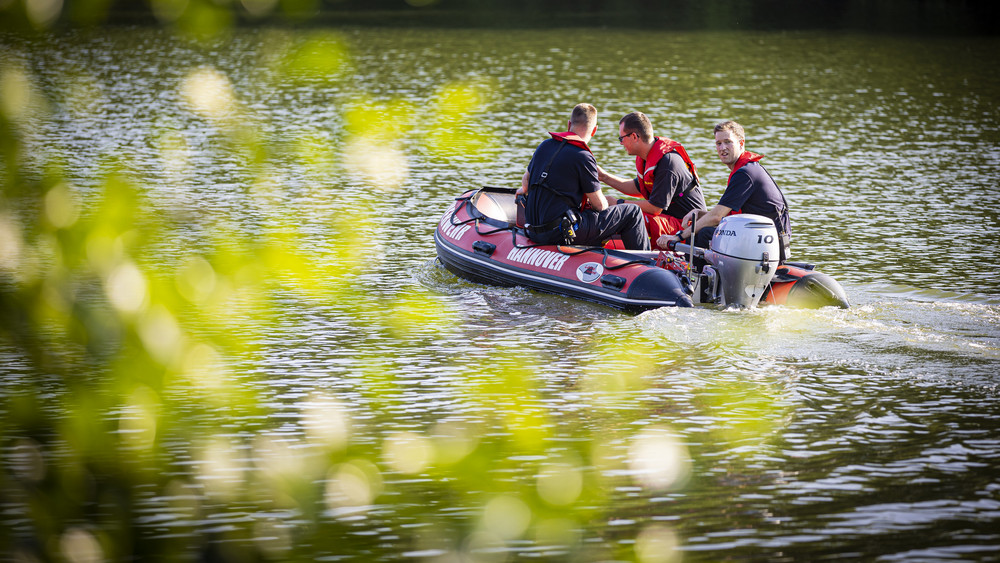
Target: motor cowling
x=744, y=253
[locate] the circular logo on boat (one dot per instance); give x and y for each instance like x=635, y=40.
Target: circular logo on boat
x=589, y=271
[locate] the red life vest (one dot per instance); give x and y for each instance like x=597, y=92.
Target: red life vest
x=572, y=138
x=661, y=147
x=746, y=158
x=660, y=224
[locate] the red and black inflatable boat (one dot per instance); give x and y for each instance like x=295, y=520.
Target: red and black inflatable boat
x=477, y=239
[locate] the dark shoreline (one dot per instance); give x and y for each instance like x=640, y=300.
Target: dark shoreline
x=907, y=17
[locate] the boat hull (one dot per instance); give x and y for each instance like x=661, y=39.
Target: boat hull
x=477, y=239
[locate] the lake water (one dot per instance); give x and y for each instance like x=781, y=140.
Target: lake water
x=464, y=422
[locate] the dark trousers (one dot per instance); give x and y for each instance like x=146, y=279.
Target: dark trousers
x=625, y=220
x=703, y=237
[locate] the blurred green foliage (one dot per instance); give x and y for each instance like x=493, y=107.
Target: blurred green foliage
x=130, y=384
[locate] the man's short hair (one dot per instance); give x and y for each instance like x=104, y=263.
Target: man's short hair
x=584, y=114
x=637, y=122
x=735, y=128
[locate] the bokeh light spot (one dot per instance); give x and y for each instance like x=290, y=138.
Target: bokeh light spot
x=507, y=517
x=326, y=421
x=196, y=279
x=203, y=366
x=278, y=458
x=408, y=452
x=209, y=93
x=126, y=288
x=560, y=484
x=259, y=8
x=43, y=13
x=658, y=460
x=15, y=93
x=320, y=57
x=61, y=208
x=161, y=334
x=384, y=167
x=354, y=484
x=80, y=546
x=657, y=544
x=218, y=469
x=10, y=243
x=168, y=11
x=452, y=442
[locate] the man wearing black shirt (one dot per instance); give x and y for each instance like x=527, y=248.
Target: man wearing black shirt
x=564, y=201
x=750, y=190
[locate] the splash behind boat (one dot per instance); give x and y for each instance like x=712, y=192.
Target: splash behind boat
x=477, y=239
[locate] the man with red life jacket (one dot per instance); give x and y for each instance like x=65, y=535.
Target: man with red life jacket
x=750, y=190
x=561, y=179
x=667, y=180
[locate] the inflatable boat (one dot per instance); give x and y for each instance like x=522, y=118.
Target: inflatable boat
x=478, y=239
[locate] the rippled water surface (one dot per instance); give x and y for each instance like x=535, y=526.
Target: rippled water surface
x=774, y=434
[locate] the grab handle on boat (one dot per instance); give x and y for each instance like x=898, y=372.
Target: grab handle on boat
x=483, y=247
x=612, y=282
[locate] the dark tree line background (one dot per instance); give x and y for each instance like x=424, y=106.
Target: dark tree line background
x=938, y=17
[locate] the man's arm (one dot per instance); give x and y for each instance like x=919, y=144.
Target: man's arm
x=628, y=187
x=624, y=185
x=649, y=207
x=709, y=219
x=524, y=184
x=597, y=200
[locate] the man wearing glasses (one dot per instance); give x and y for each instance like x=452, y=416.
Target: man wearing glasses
x=667, y=180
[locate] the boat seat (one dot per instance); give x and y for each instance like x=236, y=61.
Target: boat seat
x=499, y=206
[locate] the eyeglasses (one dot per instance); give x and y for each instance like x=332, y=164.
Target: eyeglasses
x=622, y=137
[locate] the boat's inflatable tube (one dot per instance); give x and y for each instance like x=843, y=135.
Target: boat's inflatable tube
x=797, y=285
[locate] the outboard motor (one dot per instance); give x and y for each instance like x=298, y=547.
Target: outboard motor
x=744, y=255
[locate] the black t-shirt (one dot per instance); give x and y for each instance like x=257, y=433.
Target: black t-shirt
x=751, y=190
x=573, y=174
x=671, y=180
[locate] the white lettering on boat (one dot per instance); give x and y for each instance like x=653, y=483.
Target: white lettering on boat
x=453, y=231
x=547, y=262
x=538, y=257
